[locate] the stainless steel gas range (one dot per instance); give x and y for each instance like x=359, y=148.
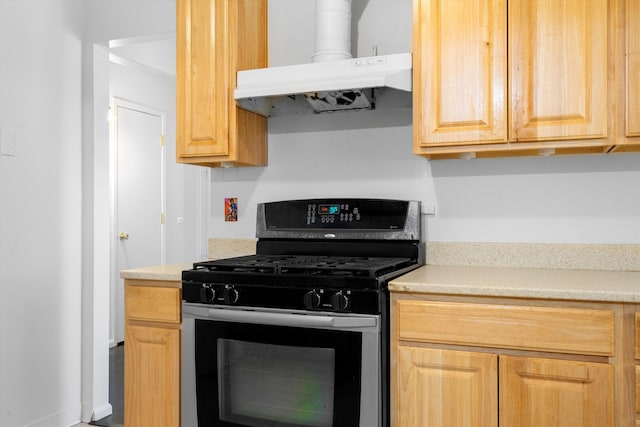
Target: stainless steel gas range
x=298, y=334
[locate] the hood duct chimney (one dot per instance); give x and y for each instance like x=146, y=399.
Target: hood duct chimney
x=333, y=30
x=333, y=43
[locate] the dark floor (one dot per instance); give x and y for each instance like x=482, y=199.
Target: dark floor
x=116, y=389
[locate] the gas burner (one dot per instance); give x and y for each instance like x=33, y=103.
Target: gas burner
x=253, y=263
x=348, y=266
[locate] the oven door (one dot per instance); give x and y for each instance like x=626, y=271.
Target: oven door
x=255, y=368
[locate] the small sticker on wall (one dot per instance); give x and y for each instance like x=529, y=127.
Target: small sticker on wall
x=231, y=209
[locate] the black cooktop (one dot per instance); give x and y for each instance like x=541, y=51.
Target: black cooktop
x=315, y=265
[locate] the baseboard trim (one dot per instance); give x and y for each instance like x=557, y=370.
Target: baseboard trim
x=101, y=411
x=66, y=417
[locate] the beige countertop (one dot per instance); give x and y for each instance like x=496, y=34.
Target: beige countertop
x=168, y=272
x=585, y=285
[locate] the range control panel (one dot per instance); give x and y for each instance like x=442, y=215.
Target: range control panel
x=365, y=214
x=365, y=301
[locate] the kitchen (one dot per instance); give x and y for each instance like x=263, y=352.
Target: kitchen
x=588, y=199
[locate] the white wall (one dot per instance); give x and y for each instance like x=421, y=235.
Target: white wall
x=118, y=19
x=40, y=215
x=54, y=213
x=358, y=154
x=572, y=199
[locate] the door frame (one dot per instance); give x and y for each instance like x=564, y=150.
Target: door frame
x=114, y=103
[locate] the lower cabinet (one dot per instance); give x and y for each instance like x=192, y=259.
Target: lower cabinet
x=458, y=363
x=446, y=388
x=152, y=353
x=546, y=392
x=460, y=388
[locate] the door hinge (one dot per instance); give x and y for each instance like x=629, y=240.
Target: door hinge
x=161, y=219
x=162, y=140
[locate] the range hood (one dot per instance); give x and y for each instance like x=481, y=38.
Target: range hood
x=334, y=81
x=341, y=84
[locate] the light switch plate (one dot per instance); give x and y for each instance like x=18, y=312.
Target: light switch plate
x=428, y=209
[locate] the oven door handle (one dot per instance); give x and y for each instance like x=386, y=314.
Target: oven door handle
x=293, y=320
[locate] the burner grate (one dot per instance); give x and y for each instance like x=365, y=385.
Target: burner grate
x=307, y=265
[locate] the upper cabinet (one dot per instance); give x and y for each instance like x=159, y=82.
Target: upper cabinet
x=633, y=68
x=216, y=39
x=557, y=69
x=459, y=72
x=523, y=77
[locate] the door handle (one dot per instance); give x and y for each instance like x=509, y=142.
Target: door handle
x=124, y=236
x=294, y=320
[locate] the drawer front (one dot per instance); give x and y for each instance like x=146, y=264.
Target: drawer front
x=152, y=303
x=561, y=330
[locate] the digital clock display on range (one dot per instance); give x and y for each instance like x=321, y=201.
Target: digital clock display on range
x=329, y=209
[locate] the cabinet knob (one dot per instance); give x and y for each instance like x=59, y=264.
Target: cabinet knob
x=124, y=236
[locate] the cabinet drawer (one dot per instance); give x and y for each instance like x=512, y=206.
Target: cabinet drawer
x=561, y=330
x=152, y=303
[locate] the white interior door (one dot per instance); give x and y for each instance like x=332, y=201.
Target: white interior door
x=139, y=195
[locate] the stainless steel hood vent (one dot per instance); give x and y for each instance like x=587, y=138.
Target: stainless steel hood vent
x=329, y=86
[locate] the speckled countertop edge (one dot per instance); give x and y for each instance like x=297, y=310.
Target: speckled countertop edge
x=563, y=284
x=615, y=257
x=167, y=272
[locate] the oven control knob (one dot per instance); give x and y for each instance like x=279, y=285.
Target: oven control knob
x=207, y=293
x=339, y=301
x=312, y=299
x=230, y=295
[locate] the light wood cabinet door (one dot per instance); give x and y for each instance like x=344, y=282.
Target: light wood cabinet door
x=459, y=72
x=555, y=393
x=557, y=69
x=214, y=40
x=152, y=376
x=203, y=76
x=633, y=68
x=444, y=388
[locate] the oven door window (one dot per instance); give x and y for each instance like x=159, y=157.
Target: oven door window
x=276, y=376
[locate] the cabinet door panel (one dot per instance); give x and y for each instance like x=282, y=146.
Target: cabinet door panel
x=202, y=77
x=633, y=68
x=557, y=69
x=459, y=72
x=152, y=376
x=443, y=388
x=555, y=393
